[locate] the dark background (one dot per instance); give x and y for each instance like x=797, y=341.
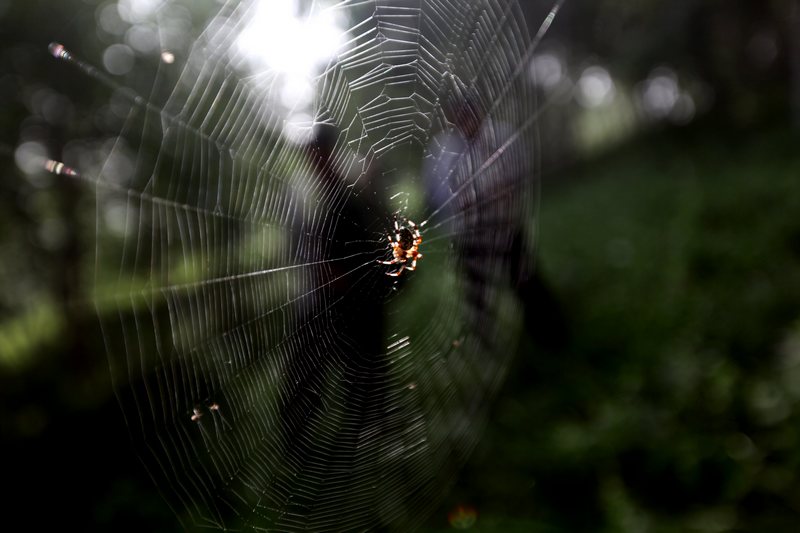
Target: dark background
x=657, y=386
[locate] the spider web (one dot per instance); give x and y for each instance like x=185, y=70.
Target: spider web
x=272, y=375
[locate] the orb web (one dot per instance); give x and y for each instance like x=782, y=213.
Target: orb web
x=272, y=375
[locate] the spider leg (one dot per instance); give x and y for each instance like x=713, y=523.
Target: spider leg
x=397, y=273
x=392, y=262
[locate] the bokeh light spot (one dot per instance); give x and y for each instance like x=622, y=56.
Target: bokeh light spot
x=595, y=88
x=118, y=59
x=547, y=71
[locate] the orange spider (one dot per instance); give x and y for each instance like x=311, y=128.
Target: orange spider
x=405, y=247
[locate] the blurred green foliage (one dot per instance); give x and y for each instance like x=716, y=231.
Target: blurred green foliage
x=673, y=405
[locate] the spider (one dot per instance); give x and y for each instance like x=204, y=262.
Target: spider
x=405, y=247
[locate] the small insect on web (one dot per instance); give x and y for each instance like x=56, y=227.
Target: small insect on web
x=246, y=266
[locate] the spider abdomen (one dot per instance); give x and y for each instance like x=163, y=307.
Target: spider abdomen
x=406, y=239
